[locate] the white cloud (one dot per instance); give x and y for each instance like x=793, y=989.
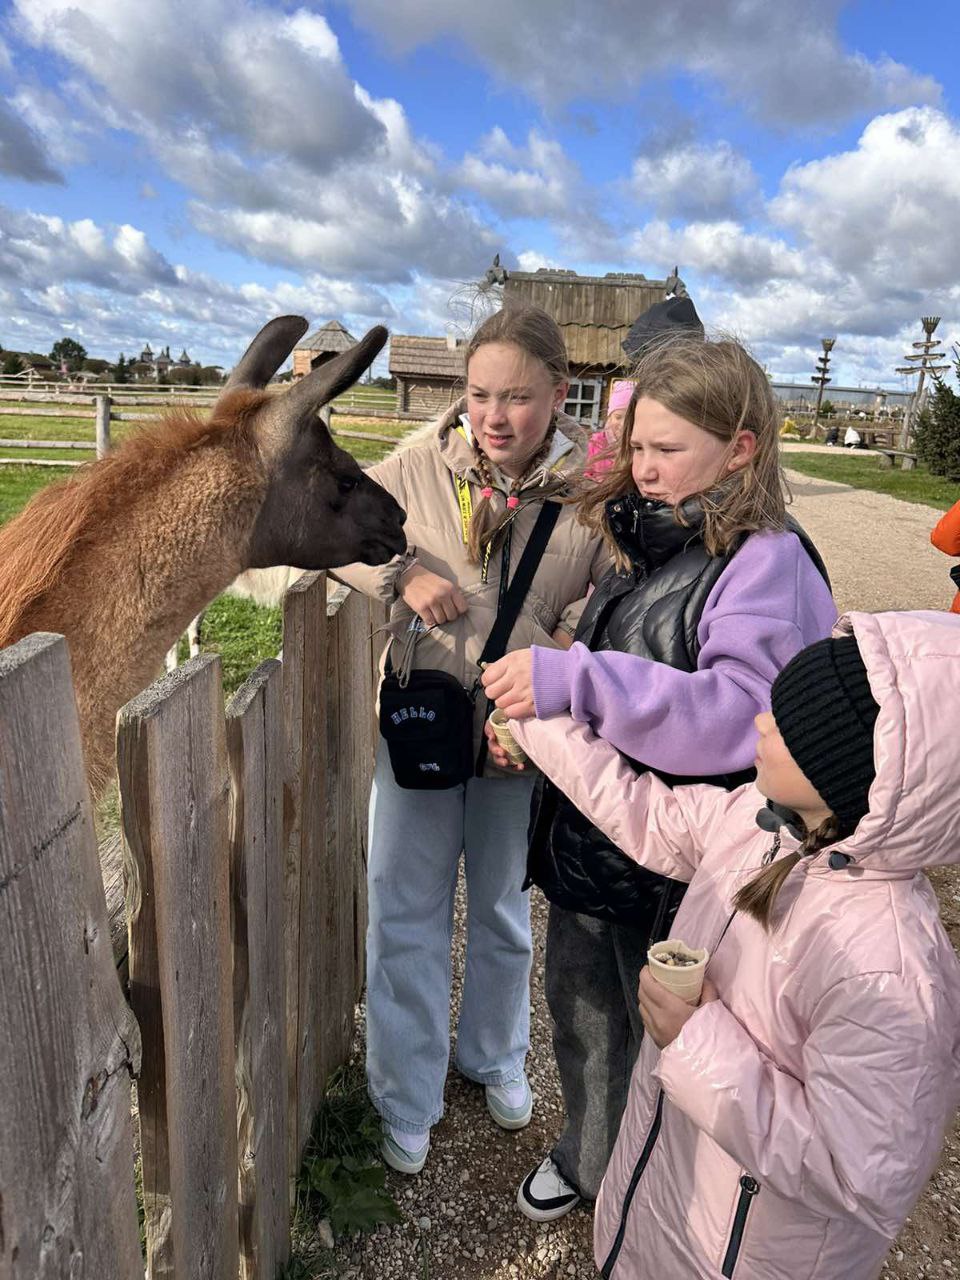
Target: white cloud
x=723, y=250
x=784, y=68
x=533, y=181
x=694, y=180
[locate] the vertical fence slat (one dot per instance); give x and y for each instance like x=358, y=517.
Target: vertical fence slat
x=102, y=425
x=68, y=1039
x=172, y=740
x=256, y=749
x=304, y=666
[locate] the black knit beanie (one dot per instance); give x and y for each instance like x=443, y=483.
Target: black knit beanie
x=825, y=712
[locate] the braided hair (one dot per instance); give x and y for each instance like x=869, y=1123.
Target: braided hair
x=536, y=334
x=485, y=524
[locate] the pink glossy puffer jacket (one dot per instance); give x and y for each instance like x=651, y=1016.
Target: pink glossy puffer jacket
x=788, y=1130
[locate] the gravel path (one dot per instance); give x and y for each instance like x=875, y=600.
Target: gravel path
x=461, y=1222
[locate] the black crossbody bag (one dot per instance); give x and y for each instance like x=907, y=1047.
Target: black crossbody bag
x=426, y=716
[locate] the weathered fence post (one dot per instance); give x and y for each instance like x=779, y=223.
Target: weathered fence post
x=103, y=425
x=304, y=819
x=174, y=792
x=68, y=1039
x=257, y=753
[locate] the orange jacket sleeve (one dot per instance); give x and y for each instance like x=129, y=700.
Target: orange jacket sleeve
x=946, y=534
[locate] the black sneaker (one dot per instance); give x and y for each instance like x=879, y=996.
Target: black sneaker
x=545, y=1194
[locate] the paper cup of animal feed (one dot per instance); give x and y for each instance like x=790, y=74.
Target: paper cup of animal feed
x=506, y=738
x=679, y=968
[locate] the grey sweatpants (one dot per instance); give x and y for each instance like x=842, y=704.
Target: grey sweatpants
x=591, y=974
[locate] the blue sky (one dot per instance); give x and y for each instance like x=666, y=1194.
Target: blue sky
x=178, y=173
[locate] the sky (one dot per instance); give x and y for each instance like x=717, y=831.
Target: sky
x=180, y=172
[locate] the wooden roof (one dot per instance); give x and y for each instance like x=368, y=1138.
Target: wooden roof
x=594, y=312
x=413, y=356
x=331, y=336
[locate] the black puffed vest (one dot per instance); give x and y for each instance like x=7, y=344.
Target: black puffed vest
x=651, y=610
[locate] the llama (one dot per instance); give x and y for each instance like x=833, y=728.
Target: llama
x=122, y=555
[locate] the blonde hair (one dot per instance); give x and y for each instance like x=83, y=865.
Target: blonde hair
x=538, y=336
x=758, y=897
x=720, y=388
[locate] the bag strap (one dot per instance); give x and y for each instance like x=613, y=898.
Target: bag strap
x=512, y=602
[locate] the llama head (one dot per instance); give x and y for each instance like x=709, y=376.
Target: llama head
x=319, y=509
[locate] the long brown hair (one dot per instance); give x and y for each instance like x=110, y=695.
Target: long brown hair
x=758, y=897
x=537, y=335
x=720, y=388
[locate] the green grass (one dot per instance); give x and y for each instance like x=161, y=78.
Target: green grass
x=917, y=485
x=19, y=484
x=243, y=633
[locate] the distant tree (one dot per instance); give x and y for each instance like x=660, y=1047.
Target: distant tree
x=11, y=364
x=93, y=364
x=211, y=375
x=69, y=352
x=936, y=434
x=388, y=384
x=827, y=408
x=121, y=372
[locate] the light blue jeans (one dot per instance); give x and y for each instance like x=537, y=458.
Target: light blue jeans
x=416, y=838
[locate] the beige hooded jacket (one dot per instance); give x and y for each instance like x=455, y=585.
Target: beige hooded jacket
x=422, y=479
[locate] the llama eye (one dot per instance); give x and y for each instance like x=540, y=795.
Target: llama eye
x=347, y=484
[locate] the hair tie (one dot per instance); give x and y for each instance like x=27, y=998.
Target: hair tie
x=513, y=502
x=487, y=492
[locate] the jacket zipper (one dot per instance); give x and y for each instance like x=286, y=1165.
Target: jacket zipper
x=749, y=1189
x=607, y=1269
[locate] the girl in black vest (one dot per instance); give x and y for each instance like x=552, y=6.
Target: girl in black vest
x=713, y=591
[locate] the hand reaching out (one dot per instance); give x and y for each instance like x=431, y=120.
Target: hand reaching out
x=509, y=683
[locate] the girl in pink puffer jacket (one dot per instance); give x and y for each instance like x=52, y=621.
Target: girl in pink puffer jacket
x=784, y=1128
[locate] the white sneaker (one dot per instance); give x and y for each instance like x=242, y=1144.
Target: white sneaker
x=511, y=1105
x=405, y=1152
x=545, y=1194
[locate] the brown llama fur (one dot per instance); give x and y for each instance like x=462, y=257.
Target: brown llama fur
x=59, y=556
x=120, y=557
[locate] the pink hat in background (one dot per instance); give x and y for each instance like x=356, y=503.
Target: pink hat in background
x=620, y=393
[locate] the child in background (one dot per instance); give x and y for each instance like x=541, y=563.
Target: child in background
x=946, y=538
x=785, y=1127
x=603, y=442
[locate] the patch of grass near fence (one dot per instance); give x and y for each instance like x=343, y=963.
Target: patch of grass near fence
x=243, y=633
x=19, y=484
x=341, y=1186
x=917, y=485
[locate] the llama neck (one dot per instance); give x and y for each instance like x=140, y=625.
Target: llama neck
x=137, y=579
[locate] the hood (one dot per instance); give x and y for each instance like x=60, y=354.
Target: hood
x=913, y=664
x=568, y=454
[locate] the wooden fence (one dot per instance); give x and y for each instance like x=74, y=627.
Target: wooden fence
x=102, y=410
x=243, y=833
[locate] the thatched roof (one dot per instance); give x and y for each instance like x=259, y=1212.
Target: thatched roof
x=594, y=312
x=413, y=356
x=331, y=336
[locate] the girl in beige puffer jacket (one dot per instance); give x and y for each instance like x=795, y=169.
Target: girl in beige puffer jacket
x=472, y=492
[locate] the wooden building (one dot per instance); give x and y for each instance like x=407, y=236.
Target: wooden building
x=594, y=314
x=317, y=348
x=429, y=373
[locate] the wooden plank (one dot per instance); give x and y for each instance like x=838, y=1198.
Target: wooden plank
x=352, y=676
x=68, y=1040
x=38, y=462
x=172, y=759
x=84, y=410
x=256, y=750
x=48, y=444
x=304, y=658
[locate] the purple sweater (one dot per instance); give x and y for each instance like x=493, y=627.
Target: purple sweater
x=768, y=603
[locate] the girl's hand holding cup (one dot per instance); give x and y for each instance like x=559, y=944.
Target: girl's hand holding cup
x=665, y=1011
x=501, y=744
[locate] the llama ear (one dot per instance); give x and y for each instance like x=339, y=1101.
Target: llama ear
x=322, y=385
x=266, y=353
